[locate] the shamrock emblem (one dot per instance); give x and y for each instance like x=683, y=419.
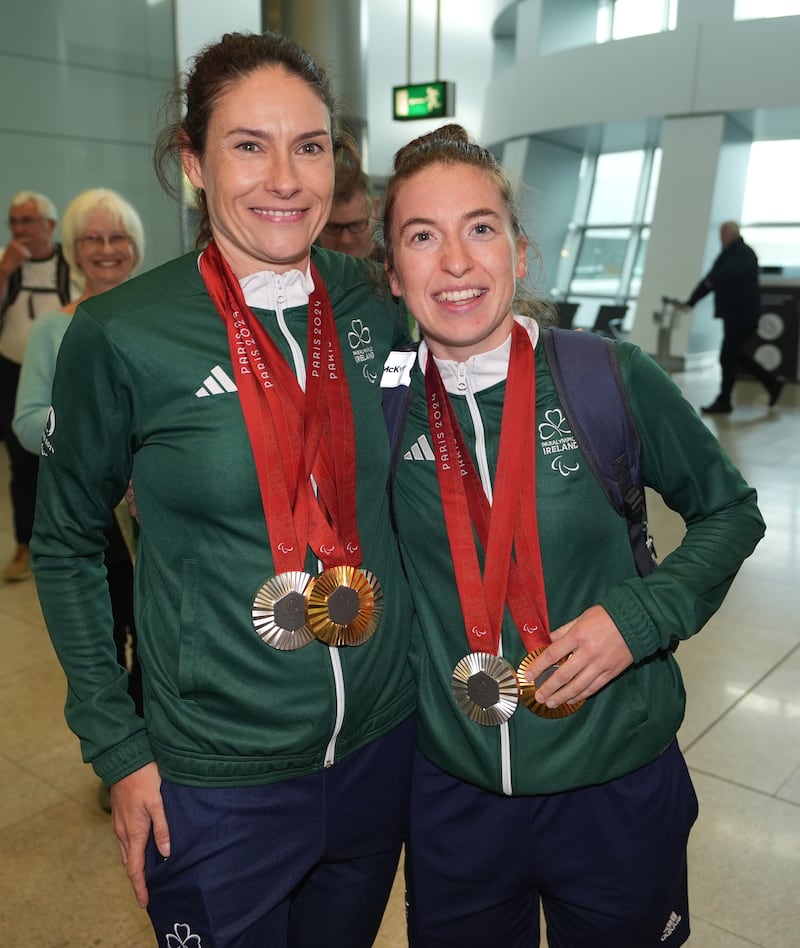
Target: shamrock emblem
x=359, y=334
x=182, y=937
x=554, y=425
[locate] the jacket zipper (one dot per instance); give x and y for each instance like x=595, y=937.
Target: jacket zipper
x=333, y=652
x=486, y=481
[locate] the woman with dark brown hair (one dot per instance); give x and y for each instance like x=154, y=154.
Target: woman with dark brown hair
x=262, y=799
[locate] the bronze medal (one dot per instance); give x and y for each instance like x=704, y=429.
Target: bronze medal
x=345, y=604
x=527, y=689
x=485, y=688
x=280, y=611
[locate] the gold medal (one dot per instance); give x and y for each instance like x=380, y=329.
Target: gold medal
x=280, y=611
x=485, y=688
x=345, y=604
x=527, y=689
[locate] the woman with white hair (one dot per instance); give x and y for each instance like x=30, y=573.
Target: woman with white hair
x=103, y=242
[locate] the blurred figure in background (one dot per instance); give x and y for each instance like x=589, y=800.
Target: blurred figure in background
x=733, y=279
x=34, y=279
x=104, y=243
x=351, y=224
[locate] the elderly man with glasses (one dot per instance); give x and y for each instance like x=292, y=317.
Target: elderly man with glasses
x=34, y=279
x=350, y=226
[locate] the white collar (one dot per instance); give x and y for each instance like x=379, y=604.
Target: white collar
x=269, y=290
x=482, y=370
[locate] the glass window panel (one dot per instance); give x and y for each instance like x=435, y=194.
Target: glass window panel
x=599, y=265
x=672, y=15
x=771, y=193
x=652, y=186
x=775, y=246
x=603, y=31
x=762, y=9
x=638, y=264
x=616, y=183
x=637, y=17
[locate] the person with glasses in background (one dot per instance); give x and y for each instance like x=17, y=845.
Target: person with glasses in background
x=34, y=279
x=103, y=242
x=351, y=224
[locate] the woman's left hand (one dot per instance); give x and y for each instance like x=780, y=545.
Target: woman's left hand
x=594, y=652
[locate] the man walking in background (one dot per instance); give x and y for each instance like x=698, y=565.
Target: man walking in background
x=733, y=279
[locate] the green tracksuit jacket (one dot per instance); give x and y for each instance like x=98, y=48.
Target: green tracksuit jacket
x=140, y=392
x=587, y=559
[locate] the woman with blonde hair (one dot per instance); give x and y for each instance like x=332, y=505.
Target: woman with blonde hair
x=103, y=242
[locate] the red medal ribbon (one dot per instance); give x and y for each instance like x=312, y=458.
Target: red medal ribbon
x=509, y=576
x=291, y=432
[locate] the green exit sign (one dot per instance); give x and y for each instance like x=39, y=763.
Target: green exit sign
x=424, y=101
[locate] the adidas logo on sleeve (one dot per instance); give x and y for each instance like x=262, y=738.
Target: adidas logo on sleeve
x=218, y=383
x=420, y=450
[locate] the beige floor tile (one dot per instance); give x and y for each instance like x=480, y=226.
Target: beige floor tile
x=744, y=863
x=22, y=794
x=62, y=882
x=19, y=601
x=721, y=664
x=32, y=710
x=27, y=647
x=61, y=767
x=709, y=936
x=143, y=938
x=757, y=743
x=791, y=789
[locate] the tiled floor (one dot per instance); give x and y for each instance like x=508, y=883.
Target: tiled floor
x=60, y=882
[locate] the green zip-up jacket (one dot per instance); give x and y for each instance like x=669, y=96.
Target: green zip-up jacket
x=144, y=390
x=587, y=559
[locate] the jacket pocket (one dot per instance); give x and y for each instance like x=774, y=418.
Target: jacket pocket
x=188, y=644
x=636, y=697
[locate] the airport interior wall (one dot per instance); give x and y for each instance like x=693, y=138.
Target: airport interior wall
x=84, y=84
x=702, y=92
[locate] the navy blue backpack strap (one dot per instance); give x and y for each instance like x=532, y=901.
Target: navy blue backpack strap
x=587, y=378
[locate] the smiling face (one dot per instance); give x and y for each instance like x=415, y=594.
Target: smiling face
x=267, y=171
x=455, y=258
x=104, y=252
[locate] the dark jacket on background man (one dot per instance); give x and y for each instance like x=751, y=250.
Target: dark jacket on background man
x=733, y=279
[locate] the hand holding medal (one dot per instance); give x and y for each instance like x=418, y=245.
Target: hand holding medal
x=590, y=648
x=485, y=686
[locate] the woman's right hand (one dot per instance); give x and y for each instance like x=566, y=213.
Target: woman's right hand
x=136, y=808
